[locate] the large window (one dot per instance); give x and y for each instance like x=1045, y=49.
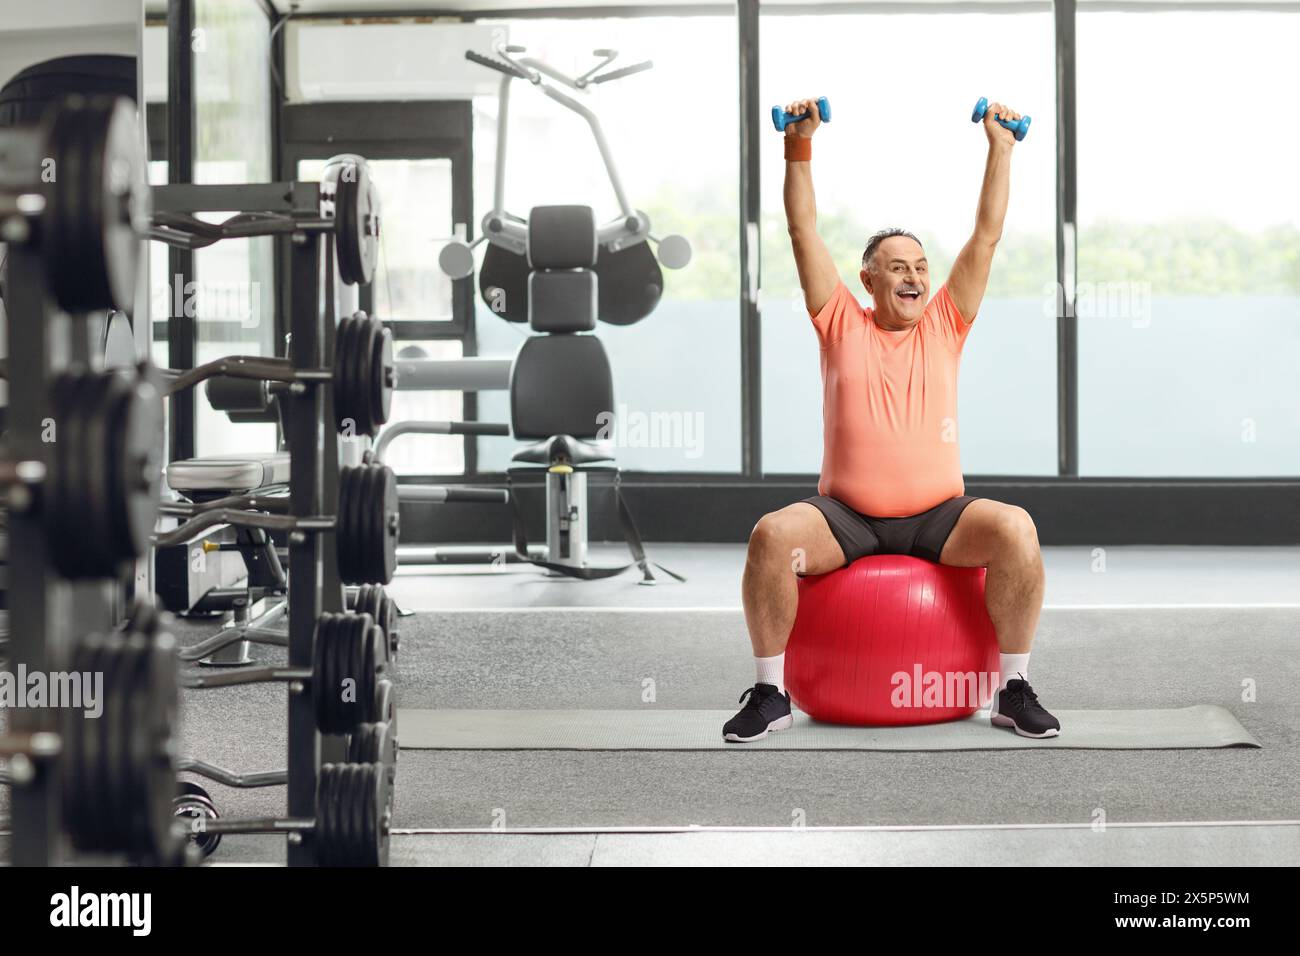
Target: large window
x=673, y=132
x=416, y=202
x=1189, y=244
x=234, y=295
x=901, y=151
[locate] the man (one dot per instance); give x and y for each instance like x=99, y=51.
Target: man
x=891, y=480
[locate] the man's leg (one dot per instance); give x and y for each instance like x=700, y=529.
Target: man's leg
x=1003, y=539
x=795, y=540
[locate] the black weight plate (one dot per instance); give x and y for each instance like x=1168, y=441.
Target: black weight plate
x=90, y=478
x=331, y=717
x=345, y=392
x=376, y=667
x=377, y=402
x=341, y=839
x=326, y=833
x=58, y=499
x=140, y=743
x=347, y=538
x=347, y=245
x=361, y=548
x=369, y=526
x=336, y=369
x=356, y=383
x=629, y=284
x=378, y=813
x=370, y=222
x=503, y=283
x=97, y=487
x=365, y=743
x=337, y=661
x=343, y=532
x=357, y=815
x=64, y=511
x=364, y=602
x=120, y=741
x=386, y=709
x=126, y=196
x=383, y=377
x=107, y=457
x=386, y=703
x=139, y=466
x=373, y=600
x=322, y=666
x=350, y=712
x=101, y=469
x=358, y=221
x=340, y=714
x=105, y=761
x=360, y=361
x=390, y=618
x=130, y=761
x=62, y=219
x=322, y=669
x=159, y=701
x=98, y=201
x=391, y=523
x=79, y=793
x=361, y=668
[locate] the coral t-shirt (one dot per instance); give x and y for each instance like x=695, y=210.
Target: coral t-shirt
x=889, y=407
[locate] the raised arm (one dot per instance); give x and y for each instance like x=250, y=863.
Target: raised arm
x=817, y=275
x=970, y=271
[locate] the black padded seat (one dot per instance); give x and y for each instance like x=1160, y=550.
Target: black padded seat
x=562, y=448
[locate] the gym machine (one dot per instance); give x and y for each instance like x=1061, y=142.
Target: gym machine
x=560, y=272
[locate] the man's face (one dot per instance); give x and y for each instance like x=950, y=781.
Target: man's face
x=898, y=280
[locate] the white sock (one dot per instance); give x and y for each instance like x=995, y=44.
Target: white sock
x=771, y=670
x=1012, y=666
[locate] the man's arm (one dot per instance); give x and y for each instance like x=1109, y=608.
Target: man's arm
x=817, y=275
x=970, y=271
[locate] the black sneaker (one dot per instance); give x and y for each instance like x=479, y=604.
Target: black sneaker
x=767, y=710
x=1017, y=706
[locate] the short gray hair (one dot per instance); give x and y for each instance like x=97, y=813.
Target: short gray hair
x=874, y=243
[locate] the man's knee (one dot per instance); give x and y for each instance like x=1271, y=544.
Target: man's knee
x=1014, y=529
x=775, y=537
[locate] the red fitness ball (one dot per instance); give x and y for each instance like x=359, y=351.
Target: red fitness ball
x=892, y=640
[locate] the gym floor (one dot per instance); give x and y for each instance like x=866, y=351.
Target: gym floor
x=1158, y=628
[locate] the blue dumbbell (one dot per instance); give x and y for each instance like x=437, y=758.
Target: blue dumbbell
x=1020, y=127
x=781, y=119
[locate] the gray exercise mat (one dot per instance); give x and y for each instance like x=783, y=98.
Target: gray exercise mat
x=1200, y=726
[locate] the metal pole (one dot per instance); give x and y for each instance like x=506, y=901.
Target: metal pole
x=1067, y=323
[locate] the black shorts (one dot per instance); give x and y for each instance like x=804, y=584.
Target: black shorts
x=922, y=536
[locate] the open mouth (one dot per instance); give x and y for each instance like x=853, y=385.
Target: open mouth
x=908, y=295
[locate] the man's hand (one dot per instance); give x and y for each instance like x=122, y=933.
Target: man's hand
x=805, y=127
x=998, y=134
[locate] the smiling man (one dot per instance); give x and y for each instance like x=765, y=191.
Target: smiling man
x=891, y=480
